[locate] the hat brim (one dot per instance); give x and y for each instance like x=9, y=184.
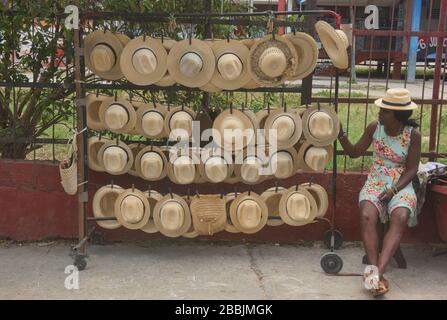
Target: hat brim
x=320, y=195
x=307, y=51
x=234, y=208
x=98, y=199
x=130, y=125
x=302, y=165
x=283, y=207
x=131, y=73
x=142, y=111
x=119, y=214
x=92, y=104
x=297, y=131
x=411, y=106
x=123, y=146
x=333, y=44
x=138, y=162
x=153, y=197
x=186, y=211
x=272, y=197
x=93, y=146
x=306, y=130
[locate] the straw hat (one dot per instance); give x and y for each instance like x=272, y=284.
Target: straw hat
x=312, y=158
x=284, y=163
x=297, y=206
x=272, y=61
x=240, y=122
x=104, y=205
x=320, y=126
x=135, y=148
x=116, y=158
x=248, y=212
x=92, y=105
x=152, y=197
x=191, y=233
x=102, y=54
x=261, y=117
x=118, y=115
x=272, y=198
x=93, y=146
x=132, y=209
x=335, y=44
x=182, y=169
x=250, y=170
x=320, y=195
x=143, y=61
x=231, y=71
x=396, y=99
x=151, y=163
x=288, y=127
x=172, y=216
x=151, y=121
x=307, y=51
x=216, y=165
x=229, y=198
x=191, y=65
x=179, y=119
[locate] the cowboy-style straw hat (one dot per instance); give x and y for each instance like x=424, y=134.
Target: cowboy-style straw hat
x=272, y=197
x=172, y=216
x=116, y=158
x=231, y=71
x=135, y=148
x=92, y=104
x=102, y=53
x=151, y=121
x=93, y=146
x=284, y=163
x=248, y=212
x=216, y=165
x=297, y=206
x=312, y=158
x=143, y=61
x=307, y=52
x=396, y=99
x=179, y=119
x=229, y=198
x=335, y=43
x=118, y=115
x=321, y=126
x=132, y=209
x=320, y=195
x=151, y=163
x=272, y=60
x=191, y=63
x=152, y=197
x=288, y=127
x=104, y=205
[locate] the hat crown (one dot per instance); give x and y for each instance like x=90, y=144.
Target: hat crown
x=184, y=169
x=144, y=61
x=229, y=66
x=249, y=214
x=285, y=127
x=172, y=215
x=250, y=169
x=273, y=62
x=397, y=95
x=298, y=206
x=114, y=159
x=216, y=169
x=282, y=164
x=316, y=158
x=102, y=58
x=321, y=125
x=151, y=165
x=191, y=64
x=152, y=123
x=116, y=117
x=181, y=120
x=132, y=209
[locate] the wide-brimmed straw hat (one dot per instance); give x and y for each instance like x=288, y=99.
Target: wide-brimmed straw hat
x=191, y=233
x=151, y=120
x=297, y=206
x=396, y=99
x=151, y=163
x=272, y=60
x=135, y=148
x=320, y=126
x=104, y=205
x=335, y=43
x=152, y=197
x=92, y=104
x=191, y=63
x=272, y=197
x=288, y=127
x=284, y=163
x=252, y=169
x=248, y=212
x=94, y=144
x=118, y=115
x=182, y=168
x=216, y=165
x=172, y=216
x=116, y=158
x=143, y=61
x=312, y=158
x=179, y=119
x=307, y=52
x=229, y=198
x=320, y=195
x=132, y=209
x=102, y=53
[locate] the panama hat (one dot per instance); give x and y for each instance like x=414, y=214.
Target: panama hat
x=151, y=163
x=396, y=99
x=307, y=52
x=172, y=216
x=216, y=165
x=152, y=197
x=102, y=54
x=132, y=209
x=231, y=70
x=179, y=119
x=320, y=126
x=229, y=198
x=118, y=115
x=272, y=60
x=233, y=119
x=191, y=63
x=94, y=144
x=297, y=207
x=320, y=195
x=284, y=163
x=182, y=168
x=116, y=158
x=312, y=158
x=250, y=170
x=335, y=43
x=151, y=121
x=143, y=61
x=288, y=127
x=104, y=205
x=135, y=148
x=272, y=197
x=248, y=212
x=92, y=104
x=191, y=233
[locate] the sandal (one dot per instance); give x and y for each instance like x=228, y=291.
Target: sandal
x=384, y=287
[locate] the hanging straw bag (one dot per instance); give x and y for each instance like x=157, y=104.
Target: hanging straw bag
x=68, y=169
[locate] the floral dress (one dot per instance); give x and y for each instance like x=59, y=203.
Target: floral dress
x=389, y=156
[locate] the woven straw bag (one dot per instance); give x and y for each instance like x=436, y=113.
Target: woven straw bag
x=68, y=169
x=208, y=214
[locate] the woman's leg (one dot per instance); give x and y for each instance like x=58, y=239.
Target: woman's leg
x=369, y=216
x=391, y=241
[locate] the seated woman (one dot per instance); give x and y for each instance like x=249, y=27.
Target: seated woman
x=388, y=192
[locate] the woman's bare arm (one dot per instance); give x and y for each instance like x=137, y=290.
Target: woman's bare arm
x=413, y=158
x=356, y=150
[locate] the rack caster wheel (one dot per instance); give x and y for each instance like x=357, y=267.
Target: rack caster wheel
x=331, y=263
x=338, y=239
x=80, y=262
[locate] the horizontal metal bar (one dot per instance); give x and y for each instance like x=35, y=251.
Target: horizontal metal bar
x=4, y=140
x=8, y=84
x=398, y=33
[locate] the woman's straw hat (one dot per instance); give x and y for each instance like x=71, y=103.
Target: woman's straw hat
x=288, y=127
x=248, y=212
x=320, y=195
x=297, y=207
x=151, y=121
x=172, y=216
x=320, y=126
x=132, y=209
x=104, y=205
x=118, y=115
x=314, y=159
x=179, y=119
x=92, y=104
x=335, y=43
x=272, y=197
x=396, y=99
x=116, y=158
x=93, y=146
x=152, y=197
x=307, y=52
x=151, y=163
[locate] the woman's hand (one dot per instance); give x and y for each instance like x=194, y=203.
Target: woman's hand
x=386, y=195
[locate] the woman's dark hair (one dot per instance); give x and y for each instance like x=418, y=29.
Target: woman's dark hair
x=404, y=117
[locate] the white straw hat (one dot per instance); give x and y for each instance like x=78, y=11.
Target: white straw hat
x=307, y=52
x=182, y=169
x=320, y=126
x=312, y=158
x=172, y=216
x=115, y=158
x=335, y=44
x=248, y=212
x=250, y=171
x=92, y=104
x=297, y=207
x=104, y=205
x=132, y=209
x=216, y=165
x=93, y=146
x=179, y=119
x=396, y=99
x=284, y=163
x=151, y=121
x=288, y=127
x=118, y=115
x=229, y=227
x=320, y=195
x=151, y=163
x=272, y=197
x=135, y=148
x=152, y=197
